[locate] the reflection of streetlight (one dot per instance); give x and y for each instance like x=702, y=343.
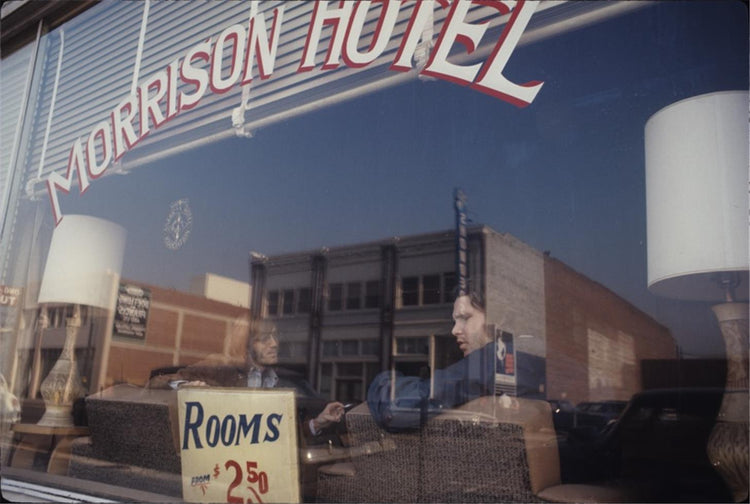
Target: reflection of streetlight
x=83, y=268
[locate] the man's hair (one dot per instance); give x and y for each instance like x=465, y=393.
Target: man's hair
x=475, y=296
x=260, y=328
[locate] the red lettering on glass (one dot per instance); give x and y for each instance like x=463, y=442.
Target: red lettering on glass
x=386, y=22
x=324, y=16
x=202, y=65
x=266, y=52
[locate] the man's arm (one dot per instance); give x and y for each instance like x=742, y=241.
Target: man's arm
x=332, y=413
x=411, y=393
x=471, y=377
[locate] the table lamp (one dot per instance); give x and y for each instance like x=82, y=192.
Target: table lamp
x=697, y=213
x=83, y=269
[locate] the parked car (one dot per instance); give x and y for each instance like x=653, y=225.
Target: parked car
x=596, y=415
x=658, y=445
x=563, y=415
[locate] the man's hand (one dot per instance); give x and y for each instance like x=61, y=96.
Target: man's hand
x=177, y=384
x=333, y=412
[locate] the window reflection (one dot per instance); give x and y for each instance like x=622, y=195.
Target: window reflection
x=350, y=207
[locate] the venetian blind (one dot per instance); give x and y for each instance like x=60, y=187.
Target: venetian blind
x=89, y=66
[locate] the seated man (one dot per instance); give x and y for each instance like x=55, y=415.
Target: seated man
x=471, y=377
x=259, y=371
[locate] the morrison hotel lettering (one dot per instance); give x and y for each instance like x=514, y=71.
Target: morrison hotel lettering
x=186, y=80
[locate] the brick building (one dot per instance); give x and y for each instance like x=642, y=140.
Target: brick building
x=346, y=313
x=181, y=329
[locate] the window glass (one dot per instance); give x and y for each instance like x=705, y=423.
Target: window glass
x=449, y=286
x=326, y=373
x=350, y=347
x=353, y=296
x=273, y=303
x=412, y=345
x=410, y=291
x=431, y=289
x=372, y=294
x=370, y=347
x=495, y=209
x=285, y=349
x=335, y=297
x=330, y=348
x=288, y=297
x=303, y=300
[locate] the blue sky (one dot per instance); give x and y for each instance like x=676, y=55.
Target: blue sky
x=565, y=174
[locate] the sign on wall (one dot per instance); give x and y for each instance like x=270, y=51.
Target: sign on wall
x=9, y=295
x=505, y=367
x=238, y=445
x=131, y=311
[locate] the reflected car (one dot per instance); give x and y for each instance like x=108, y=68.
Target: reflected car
x=563, y=415
x=658, y=446
x=596, y=415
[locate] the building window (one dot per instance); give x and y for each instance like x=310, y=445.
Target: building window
x=303, y=300
x=350, y=347
x=431, y=289
x=288, y=301
x=330, y=348
x=285, y=349
x=410, y=291
x=273, y=303
x=370, y=347
x=349, y=370
x=326, y=379
x=372, y=294
x=354, y=296
x=335, y=296
x=449, y=285
x=412, y=346
x=292, y=349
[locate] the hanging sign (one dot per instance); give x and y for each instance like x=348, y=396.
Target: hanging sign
x=131, y=311
x=238, y=445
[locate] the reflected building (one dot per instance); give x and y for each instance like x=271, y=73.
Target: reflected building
x=346, y=313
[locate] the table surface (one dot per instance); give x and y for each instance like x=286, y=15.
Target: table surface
x=29, y=428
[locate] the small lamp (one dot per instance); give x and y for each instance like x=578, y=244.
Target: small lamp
x=697, y=212
x=83, y=268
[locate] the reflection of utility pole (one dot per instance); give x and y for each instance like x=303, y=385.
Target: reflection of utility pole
x=318, y=282
x=388, y=275
x=461, y=243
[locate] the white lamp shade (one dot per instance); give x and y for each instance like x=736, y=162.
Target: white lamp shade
x=697, y=195
x=84, y=262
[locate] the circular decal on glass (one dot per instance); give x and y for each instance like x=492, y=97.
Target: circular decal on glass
x=179, y=223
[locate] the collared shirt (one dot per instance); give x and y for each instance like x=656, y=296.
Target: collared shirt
x=262, y=378
x=267, y=378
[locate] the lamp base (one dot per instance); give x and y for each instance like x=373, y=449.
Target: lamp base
x=728, y=444
x=63, y=385
x=57, y=416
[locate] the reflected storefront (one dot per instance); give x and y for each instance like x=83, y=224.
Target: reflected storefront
x=486, y=251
